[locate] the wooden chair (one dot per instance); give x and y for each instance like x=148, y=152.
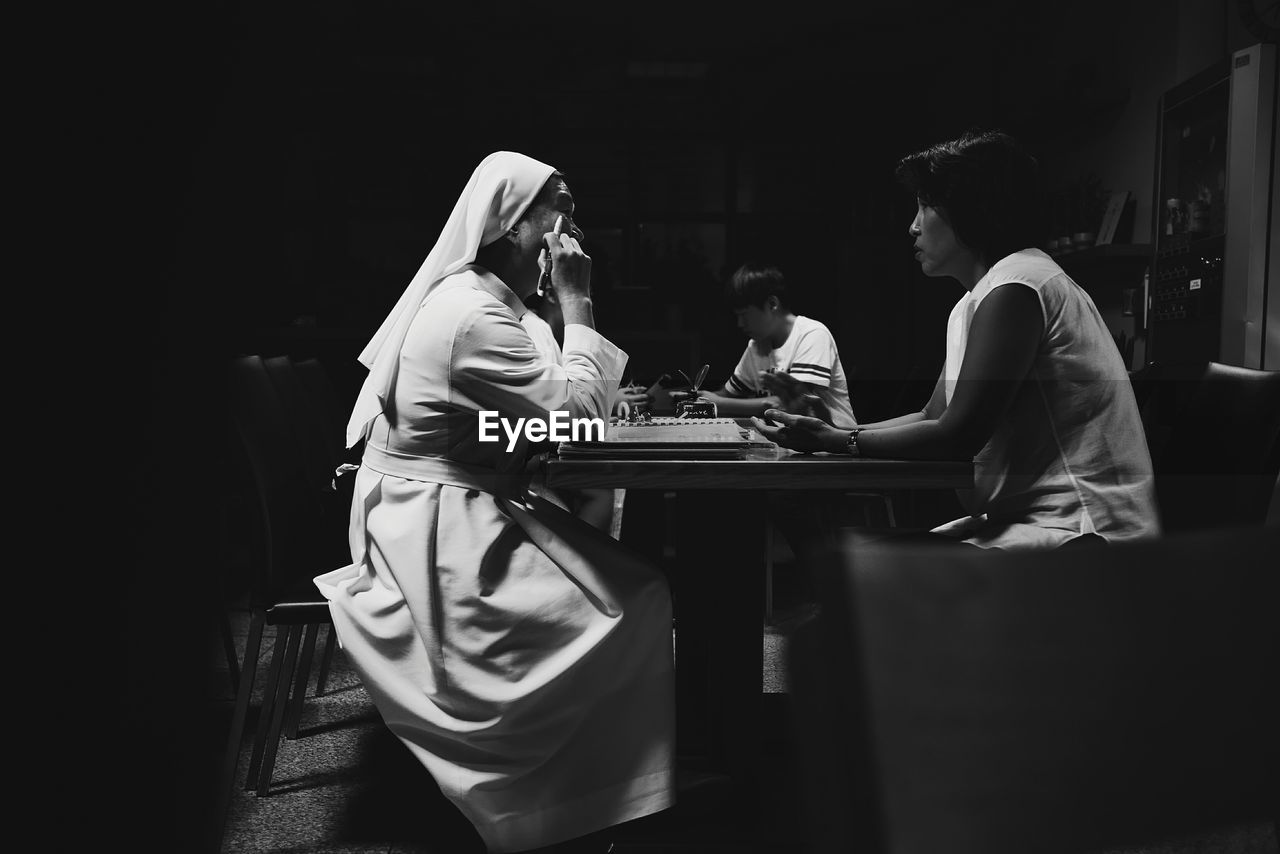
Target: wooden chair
x=291, y=552
x=959, y=700
x=306, y=396
x=329, y=411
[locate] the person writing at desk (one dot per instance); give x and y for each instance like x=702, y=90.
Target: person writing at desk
x=1032, y=389
x=523, y=656
x=790, y=361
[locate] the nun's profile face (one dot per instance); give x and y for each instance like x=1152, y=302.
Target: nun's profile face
x=552, y=202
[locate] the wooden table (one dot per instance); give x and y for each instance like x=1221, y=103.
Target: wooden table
x=789, y=471
x=718, y=531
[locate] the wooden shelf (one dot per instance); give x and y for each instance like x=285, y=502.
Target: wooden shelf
x=1112, y=265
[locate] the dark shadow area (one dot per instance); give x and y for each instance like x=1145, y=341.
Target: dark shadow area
x=958, y=699
x=400, y=802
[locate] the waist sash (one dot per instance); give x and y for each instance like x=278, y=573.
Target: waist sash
x=447, y=472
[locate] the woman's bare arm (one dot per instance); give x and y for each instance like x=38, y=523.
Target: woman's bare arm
x=1004, y=337
x=1003, y=340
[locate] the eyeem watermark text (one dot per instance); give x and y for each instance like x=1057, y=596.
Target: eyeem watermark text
x=560, y=428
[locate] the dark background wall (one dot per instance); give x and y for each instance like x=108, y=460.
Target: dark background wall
x=318, y=148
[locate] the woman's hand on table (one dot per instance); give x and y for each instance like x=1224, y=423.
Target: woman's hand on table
x=801, y=432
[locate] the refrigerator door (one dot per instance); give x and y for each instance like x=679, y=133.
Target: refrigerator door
x=1251, y=222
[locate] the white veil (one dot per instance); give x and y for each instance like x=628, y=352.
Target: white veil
x=495, y=198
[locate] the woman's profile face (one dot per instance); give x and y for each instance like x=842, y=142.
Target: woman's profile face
x=936, y=246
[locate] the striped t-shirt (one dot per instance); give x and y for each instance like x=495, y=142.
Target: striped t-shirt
x=809, y=354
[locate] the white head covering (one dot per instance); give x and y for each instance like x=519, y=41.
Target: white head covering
x=500, y=190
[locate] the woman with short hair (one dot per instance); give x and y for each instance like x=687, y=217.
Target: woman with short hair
x=1033, y=388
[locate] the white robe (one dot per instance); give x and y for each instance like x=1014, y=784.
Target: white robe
x=524, y=656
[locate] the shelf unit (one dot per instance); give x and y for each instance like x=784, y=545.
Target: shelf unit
x=1109, y=255
x=1113, y=276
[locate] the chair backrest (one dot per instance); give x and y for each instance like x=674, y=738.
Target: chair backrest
x=959, y=700
x=291, y=515
x=1219, y=456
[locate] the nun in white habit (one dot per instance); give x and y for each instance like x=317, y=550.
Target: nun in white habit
x=524, y=656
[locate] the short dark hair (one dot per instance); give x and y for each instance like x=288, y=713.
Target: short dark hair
x=987, y=187
x=753, y=284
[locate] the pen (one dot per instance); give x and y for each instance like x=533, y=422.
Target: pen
x=544, y=260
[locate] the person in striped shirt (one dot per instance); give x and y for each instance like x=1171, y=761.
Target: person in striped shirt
x=790, y=361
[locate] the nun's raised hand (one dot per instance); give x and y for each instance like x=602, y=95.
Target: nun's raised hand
x=801, y=432
x=570, y=266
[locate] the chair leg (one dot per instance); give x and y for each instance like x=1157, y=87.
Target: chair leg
x=669, y=511
x=326, y=658
x=888, y=511
x=231, y=755
x=619, y=502
x=268, y=706
x=300, y=682
x=278, y=710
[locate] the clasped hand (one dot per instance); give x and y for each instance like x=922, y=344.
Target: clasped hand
x=793, y=395
x=786, y=387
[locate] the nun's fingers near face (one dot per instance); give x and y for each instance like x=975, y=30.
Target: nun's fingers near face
x=570, y=266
